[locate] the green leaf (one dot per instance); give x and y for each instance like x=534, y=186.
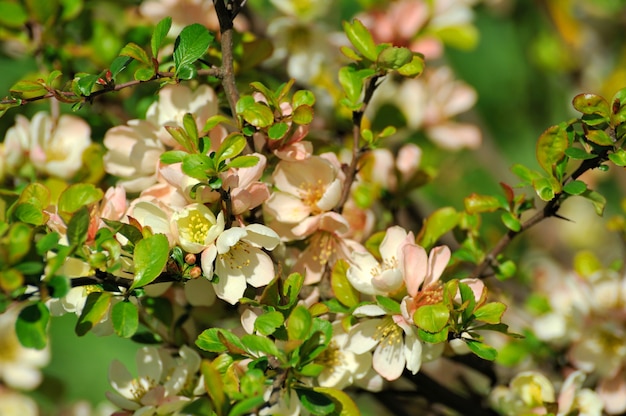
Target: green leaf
x=267, y=93
x=186, y=71
x=173, y=156
x=350, y=53
x=12, y=14
x=299, y=323
x=213, y=121
x=551, y=147
x=160, y=32
x=598, y=201
x=231, y=147
x=344, y=405
x=10, y=280
x=511, y=221
x=259, y=115
x=599, y=137
x=145, y=73
x=125, y=318
x=78, y=227
x=189, y=122
x=291, y=288
x=259, y=345
x=246, y=406
x=482, y=350
x=303, y=115
x=277, y=131
x=28, y=89
x=129, y=231
x=198, y=166
x=432, y=318
x=351, y=80
x=481, y=203
x=315, y=402
x=191, y=44
x=303, y=97
x=389, y=304
x=544, y=189
x=575, y=187
x=32, y=324
x=394, y=57
x=132, y=50
x=433, y=337
x=84, y=83
x=218, y=340
x=591, y=104
x=150, y=257
x=59, y=286
x=19, y=242
x=96, y=306
x=214, y=385
x=437, y=224
x=312, y=370
x=118, y=65
x=77, y=196
x=243, y=162
x=361, y=39
x=48, y=242
x=268, y=322
x=413, y=68
x=618, y=157
x=578, y=154
x=490, y=312
x=342, y=289
x=30, y=214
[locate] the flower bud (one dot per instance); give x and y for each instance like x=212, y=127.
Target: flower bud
x=195, y=272
x=190, y=258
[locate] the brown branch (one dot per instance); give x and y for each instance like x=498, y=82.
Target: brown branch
x=72, y=97
x=549, y=210
x=357, y=151
x=105, y=278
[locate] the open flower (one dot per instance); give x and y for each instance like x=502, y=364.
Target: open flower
x=133, y=153
x=164, y=384
x=53, y=148
x=394, y=341
x=308, y=187
x=196, y=227
x=370, y=277
x=343, y=367
x=239, y=260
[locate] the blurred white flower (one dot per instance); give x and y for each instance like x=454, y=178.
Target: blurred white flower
x=19, y=366
x=54, y=149
x=13, y=403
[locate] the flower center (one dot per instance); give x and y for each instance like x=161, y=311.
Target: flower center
x=238, y=256
x=331, y=357
x=139, y=387
x=322, y=245
x=311, y=193
x=195, y=227
x=388, y=331
x=387, y=264
x=430, y=295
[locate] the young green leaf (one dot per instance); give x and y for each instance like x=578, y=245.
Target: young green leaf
x=361, y=39
x=160, y=32
x=150, y=257
x=482, y=350
x=431, y=318
x=551, y=147
x=78, y=227
x=191, y=44
x=32, y=326
x=96, y=306
x=299, y=323
x=132, y=50
x=575, y=187
x=490, y=312
x=77, y=196
x=268, y=322
x=343, y=290
x=125, y=318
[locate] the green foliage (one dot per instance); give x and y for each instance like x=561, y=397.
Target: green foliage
x=150, y=256
x=191, y=45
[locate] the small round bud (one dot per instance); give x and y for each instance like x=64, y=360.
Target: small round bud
x=195, y=272
x=190, y=258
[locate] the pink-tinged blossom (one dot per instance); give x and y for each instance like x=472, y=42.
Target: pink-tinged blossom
x=325, y=246
x=133, y=153
x=237, y=259
x=53, y=148
x=421, y=276
x=430, y=103
x=303, y=189
x=246, y=189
